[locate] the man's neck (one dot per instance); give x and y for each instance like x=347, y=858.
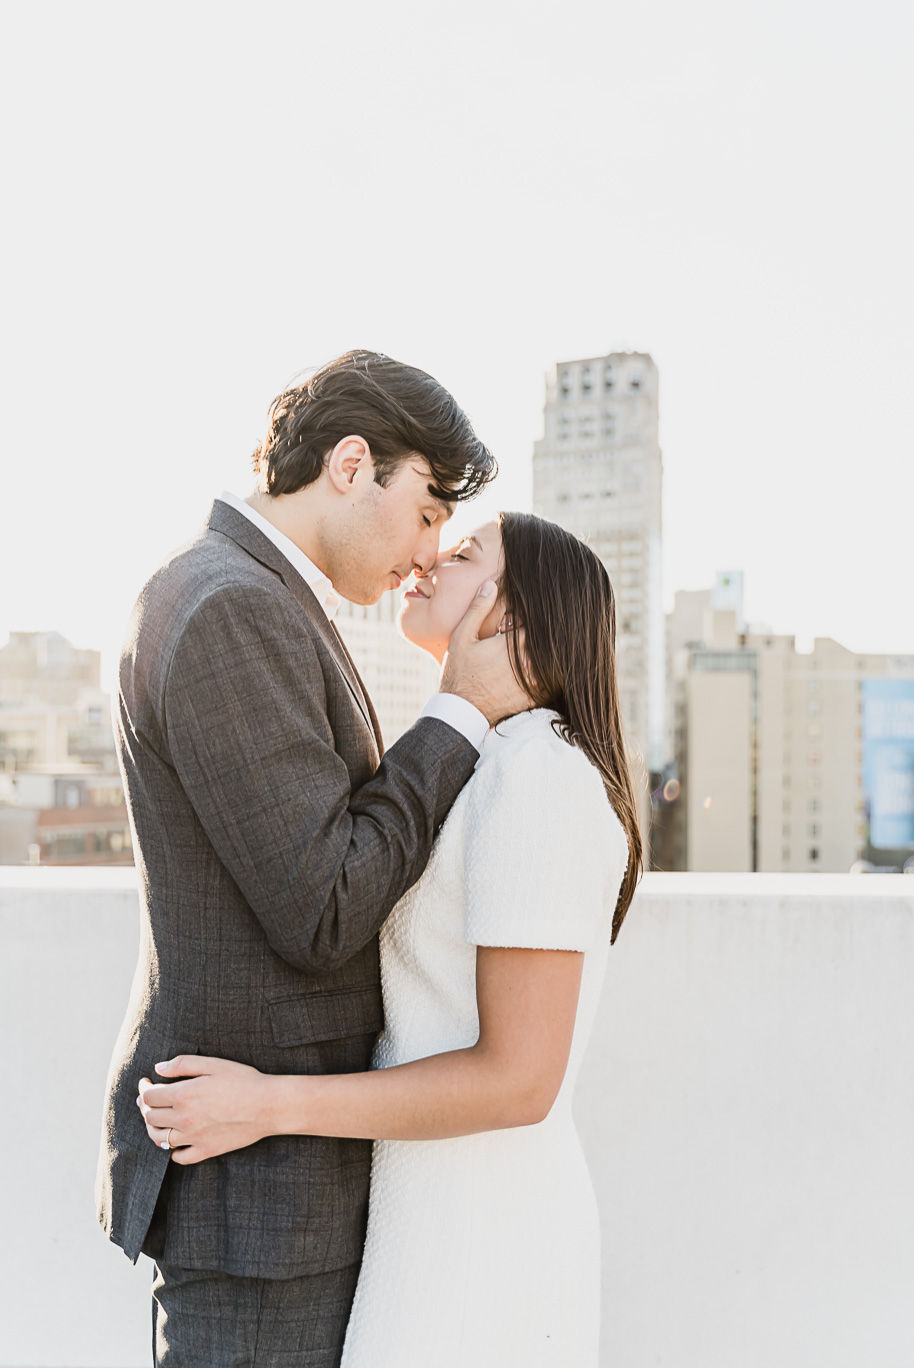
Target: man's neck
x=287, y=513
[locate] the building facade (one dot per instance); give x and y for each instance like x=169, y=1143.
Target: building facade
x=598, y=471
x=779, y=769
x=61, y=796
x=399, y=677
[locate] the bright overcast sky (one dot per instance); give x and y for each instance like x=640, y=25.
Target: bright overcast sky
x=203, y=199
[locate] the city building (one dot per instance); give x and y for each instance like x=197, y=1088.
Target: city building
x=598, y=471
x=398, y=676
x=784, y=761
x=53, y=709
x=61, y=796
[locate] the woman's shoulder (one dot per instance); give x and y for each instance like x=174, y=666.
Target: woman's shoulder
x=529, y=754
x=545, y=852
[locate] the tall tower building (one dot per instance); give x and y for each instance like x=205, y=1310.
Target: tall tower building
x=598, y=471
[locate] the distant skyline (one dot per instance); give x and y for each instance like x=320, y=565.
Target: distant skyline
x=208, y=200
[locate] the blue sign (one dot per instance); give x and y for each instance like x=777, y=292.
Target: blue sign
x=888, y=761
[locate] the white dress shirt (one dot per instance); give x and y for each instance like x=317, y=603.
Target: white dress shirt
x=315, y=579
x=446, y=707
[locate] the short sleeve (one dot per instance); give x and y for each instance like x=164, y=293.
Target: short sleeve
x=542, y=844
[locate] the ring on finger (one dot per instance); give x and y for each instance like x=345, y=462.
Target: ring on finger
x=166, y=1143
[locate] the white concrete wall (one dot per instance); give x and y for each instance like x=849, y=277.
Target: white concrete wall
x=747, y=1107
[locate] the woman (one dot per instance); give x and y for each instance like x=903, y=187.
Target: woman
x=482, y=1248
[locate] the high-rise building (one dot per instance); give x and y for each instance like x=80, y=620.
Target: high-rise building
x=598, y=471
x=788, y=761
x=399, y=677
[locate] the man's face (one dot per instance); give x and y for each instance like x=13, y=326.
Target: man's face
x=384, y=534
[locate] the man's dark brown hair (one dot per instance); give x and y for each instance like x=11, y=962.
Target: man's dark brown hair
x=399, y=411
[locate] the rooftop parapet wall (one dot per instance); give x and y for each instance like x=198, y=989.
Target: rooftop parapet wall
x=746, y=1106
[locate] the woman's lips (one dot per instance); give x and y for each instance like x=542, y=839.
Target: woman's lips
x=415, y=593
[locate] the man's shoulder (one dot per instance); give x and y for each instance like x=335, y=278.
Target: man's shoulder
x=210, y=576
x=208, y=564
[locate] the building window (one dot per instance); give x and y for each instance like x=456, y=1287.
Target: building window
x=785, y=855
x=815, y=706
x=635, y=382
x=812, y=829
x=585, y=380
x=813, y=805
x=785, y=830
x=608, y=379
x=813, y=854
x=566, y=385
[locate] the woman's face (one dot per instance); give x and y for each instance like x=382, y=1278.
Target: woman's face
x=430, y=611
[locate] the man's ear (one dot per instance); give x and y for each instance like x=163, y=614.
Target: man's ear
x=348, y=458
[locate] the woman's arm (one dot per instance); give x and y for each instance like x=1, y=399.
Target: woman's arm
x=527, y=1002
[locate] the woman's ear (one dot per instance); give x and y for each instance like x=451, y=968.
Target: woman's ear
x=496, y=624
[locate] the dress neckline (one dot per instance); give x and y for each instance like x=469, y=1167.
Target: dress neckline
x=532, y=717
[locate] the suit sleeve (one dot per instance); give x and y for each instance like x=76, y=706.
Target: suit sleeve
x=246, y=721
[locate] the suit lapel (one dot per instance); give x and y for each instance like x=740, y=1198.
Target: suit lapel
x=375, y=724
x=242, y=531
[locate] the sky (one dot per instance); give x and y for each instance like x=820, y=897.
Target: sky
x=204, y=200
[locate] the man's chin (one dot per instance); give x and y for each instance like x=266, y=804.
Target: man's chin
x=362, y=596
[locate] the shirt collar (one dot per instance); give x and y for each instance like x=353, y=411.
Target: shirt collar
x=315, y=579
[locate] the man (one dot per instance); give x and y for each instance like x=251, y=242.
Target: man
x=272, y=841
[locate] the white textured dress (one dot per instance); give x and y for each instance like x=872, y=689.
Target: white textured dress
x=483, y=1251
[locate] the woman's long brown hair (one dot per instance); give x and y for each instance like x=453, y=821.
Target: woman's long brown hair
x=557, y=591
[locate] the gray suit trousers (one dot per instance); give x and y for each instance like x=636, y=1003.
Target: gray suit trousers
x=207, y=1319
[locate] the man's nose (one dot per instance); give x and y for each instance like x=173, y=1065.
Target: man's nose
x=425, y=558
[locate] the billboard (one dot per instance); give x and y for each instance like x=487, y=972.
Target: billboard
x=888, y=761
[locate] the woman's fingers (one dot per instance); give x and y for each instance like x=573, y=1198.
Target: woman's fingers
x=183, y=1151
x=154, y=1113
x=190, y=1154
x=188, y=1066
x=158, y=1094
x=164, y=1135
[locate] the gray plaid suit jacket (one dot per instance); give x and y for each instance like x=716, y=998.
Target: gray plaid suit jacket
x=271, y=842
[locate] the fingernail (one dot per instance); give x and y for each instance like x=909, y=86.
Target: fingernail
x=163, y=1065
x=487, y=590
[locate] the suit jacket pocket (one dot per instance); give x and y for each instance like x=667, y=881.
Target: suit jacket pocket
x=304, y=1020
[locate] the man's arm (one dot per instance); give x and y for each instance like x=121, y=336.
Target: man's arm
x=249, y=735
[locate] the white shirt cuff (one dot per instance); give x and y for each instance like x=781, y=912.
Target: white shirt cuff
x=460, y=715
